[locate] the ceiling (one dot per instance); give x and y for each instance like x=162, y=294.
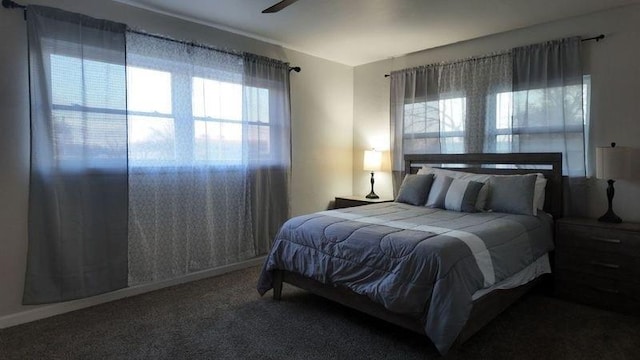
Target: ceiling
x=355, y=32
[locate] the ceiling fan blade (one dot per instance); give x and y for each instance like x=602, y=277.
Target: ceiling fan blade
x=279, y=6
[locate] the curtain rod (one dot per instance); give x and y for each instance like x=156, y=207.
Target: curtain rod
x=596, y=38
x=8, y=4
x=161, y=37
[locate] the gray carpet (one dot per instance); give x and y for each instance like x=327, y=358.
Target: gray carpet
x=224, y=318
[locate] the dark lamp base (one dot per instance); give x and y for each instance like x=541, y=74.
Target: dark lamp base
x=610, y=217
x=372, y=195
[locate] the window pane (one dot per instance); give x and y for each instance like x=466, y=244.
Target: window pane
x=257, y=104
x=503, y=110
x=217, y=99
x=151, y=140
x=218, y=142
x=88, y=139
x=259, y=139
x=148, y=90
x=452, y=114
x=86, y=83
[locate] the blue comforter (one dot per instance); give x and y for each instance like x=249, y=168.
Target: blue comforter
x=421, y=262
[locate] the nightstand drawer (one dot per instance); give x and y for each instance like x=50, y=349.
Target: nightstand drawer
x=605, y=264
x=599, y=291
x=599, y=239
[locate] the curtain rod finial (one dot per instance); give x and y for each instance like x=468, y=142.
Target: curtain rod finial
x=8, y=4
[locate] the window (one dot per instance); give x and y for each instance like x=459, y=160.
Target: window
x=177, y=114
x=178, y=118
x=549, y=116
x=87, y=112
x=438, y=124
x=515, y=120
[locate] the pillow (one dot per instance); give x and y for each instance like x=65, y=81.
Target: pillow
x=415, y=189
x=539, y=193
x=539, y=190
x=462, y=195
x=482, y=178
x=512, y=194
x=438, y=191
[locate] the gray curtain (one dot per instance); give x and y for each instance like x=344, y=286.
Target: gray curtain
x=78, y=184
x=548, y=111
x=528, y=99
x=269, y=120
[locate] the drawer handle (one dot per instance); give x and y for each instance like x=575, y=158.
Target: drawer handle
x=607, y=240
x=610, y=291
x=601, y=264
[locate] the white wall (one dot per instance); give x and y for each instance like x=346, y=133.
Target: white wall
x=322, y=124
x=614, y=65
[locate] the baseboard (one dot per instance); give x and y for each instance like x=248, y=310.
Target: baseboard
x=46, y=311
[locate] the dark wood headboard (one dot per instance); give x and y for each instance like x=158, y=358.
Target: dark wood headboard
x=549, y=164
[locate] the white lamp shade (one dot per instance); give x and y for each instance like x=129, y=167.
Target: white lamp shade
x=612, y=163
x=372, y=160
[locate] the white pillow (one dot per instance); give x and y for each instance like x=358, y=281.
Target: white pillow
x=538, y=192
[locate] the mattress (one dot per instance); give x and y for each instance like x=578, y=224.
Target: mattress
x=416, y=261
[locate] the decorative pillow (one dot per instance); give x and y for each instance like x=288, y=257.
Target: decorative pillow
x=482, y=178
x=415, y=189
x=512, y=194
x=462, y=195
x=438, y=191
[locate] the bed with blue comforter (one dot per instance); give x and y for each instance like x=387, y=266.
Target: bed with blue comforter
x=420, y=263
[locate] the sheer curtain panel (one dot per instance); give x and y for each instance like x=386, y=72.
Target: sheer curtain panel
x=267, y=110
x=549, y=111
x=208, y=156
x=548, y=108
x=78, y=187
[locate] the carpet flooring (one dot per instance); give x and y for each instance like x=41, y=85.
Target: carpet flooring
x=225, y=318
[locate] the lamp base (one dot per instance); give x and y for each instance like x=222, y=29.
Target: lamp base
x=610, y=217
x=372, y=195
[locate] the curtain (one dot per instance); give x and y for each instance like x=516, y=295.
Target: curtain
x=547, y=102
x=548, y=111
x=266, y=107
x=78, y=178
x=445, y=108
x=528, y=99
x=209, y=156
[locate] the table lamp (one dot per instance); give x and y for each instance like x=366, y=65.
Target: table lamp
x=372, y=162
x=611, y=163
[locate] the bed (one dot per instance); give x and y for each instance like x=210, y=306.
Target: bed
x=441, y=273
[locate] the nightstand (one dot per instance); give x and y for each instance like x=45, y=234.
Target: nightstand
x=349, y=201
x=598, y=263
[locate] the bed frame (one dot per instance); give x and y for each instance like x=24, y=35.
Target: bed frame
x=485, y=308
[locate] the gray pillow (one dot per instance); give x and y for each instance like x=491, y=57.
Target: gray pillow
x=414, y=189
x=512, y=194
x=462, y=195
x=438, y=191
